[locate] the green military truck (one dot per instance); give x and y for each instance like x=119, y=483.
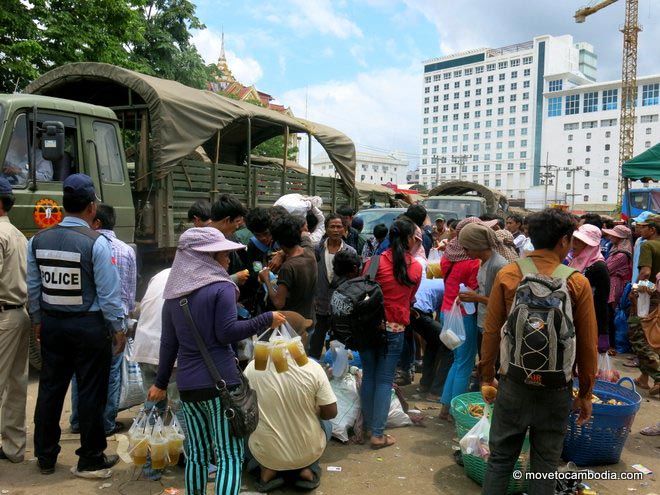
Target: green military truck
x=152, y=147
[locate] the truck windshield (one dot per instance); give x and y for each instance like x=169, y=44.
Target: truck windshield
x=461, y=207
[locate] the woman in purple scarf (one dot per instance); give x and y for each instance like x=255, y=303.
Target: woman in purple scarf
x=200, y=274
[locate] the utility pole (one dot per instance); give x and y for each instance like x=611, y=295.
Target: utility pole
x=460, y=160
x=575, y=171
x=546, y=179
x=437, y=160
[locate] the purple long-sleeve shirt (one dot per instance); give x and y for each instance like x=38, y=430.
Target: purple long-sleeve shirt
x=214, y=310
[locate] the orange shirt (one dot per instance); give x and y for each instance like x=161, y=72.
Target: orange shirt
x=584, y=318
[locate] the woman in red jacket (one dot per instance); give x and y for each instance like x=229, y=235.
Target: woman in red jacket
x=399, y=276
x=458, y=268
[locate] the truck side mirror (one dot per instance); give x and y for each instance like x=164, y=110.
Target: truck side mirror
x=52, y=140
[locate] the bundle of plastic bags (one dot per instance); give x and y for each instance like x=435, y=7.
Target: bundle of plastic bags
x=150, y=436
x=132, y=388
x=297, y=204
x=606, y=370
x=282, y=343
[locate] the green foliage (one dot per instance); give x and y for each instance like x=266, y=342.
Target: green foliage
x=150, y=36
x=19, y=48
x=166, y=46
x=274, y=148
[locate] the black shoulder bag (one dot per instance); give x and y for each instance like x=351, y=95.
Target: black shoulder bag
x=239, y=405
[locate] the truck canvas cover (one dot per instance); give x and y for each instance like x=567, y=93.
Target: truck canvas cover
x=183, y=118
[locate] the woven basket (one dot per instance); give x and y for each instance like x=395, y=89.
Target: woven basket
x=601, y=440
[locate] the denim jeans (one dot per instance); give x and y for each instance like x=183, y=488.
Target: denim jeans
x=111, y=407
x=407, y=362
x=437, y=357
x=517, y=409
x=461, y=369
x=378, y=366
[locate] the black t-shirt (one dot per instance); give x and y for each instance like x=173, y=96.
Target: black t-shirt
x=299, y=274
x=599, y=278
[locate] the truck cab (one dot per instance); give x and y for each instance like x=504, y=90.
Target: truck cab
x=460, y=206
x=43, y=140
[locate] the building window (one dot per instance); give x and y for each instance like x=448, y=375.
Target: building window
x=512, y=98
x=572, y=104
x=647, y=144
x=526, y=84
x=479, y=70
x=606, y=159
x=490, y=67
x=650, y=94
x=647, y=119
x=590, y=102
x=604, y=197
x=500, y=88
x=608, y=134
x=527, y=60
x=457, y=73
x=555, y=85
x=568, y=187
x=606, y=172
x=586, y=185
x=524, y=120
x=572, y=126
x=525, y=107
x=502, y=65
x=570, y=149
x=587, y=173
x=498, y=182
x=610, y=98
x=605, y=185
x=585, y=198
x=607, y=147
x=569, y=162
x=514, y=74
x=648, y=130
x=588, y=135
x=523, y=131
x=570, y=137
x=608, y=123
x=502, y=77
x=588, y=148
x=554, y=106
x=587, y=161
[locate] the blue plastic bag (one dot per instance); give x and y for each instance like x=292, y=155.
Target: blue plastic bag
x=621, y=342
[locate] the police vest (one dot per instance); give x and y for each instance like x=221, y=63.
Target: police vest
x=64, y=258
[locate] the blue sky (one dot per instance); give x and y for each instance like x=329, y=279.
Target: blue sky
x=356, y=65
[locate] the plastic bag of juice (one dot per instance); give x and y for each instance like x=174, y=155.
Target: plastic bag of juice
x=158, y=445
x=175, y=437
x=138, y=441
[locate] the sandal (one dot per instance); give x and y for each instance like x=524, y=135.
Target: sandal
x=309, y=485
x=388, y=441
x=269, y=486
x=655, y=390
x=611, y=352
x=632, y=363
x=651, y=431
x=643, y=386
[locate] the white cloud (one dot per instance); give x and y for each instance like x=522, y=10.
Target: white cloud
x=312, y=16
x=379, y=109
x=246, y=70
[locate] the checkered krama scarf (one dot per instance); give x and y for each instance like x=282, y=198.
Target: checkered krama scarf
x=455, y=252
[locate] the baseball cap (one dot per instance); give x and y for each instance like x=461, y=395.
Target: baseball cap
x=589, y=234
x=620, y=231
x=207, y=240
x=5, y=186
x=80, y=187
x=642, y=217
x=439, y=216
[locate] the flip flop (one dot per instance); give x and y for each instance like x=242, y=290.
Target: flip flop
x=651, y=431
x=269, y=486
x=309, y=485
x=641, y=385
x=389, y=441
x=655, y=390
x=611, y=352
x=631, y=363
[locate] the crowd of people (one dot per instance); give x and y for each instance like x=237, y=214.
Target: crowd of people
x=238, y=273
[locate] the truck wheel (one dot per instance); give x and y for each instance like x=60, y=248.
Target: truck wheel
x=34, y=352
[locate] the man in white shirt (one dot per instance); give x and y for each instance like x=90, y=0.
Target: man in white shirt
x=514, y=224
x=290, y=437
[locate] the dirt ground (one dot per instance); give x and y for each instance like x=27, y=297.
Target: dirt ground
x=420, y=463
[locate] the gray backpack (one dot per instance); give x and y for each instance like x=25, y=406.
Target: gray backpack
x=538, y=339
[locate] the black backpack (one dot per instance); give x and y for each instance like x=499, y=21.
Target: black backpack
x=357, y=311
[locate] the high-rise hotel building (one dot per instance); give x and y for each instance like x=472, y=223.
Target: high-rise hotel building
x=498, y=116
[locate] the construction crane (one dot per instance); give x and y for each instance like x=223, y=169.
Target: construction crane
x=630, y=30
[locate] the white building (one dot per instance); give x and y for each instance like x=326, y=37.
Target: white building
x=482, y=111
x=372, y=168
x=581, y=129
x=412, y=177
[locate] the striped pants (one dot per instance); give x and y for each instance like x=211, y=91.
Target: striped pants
x=208, y=431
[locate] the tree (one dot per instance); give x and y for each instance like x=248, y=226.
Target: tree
x=166, y=47
x=20, y=50
x=274, y=148
x=88, y=31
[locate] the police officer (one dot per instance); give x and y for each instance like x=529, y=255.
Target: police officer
x=76, y=311
x=14, y=331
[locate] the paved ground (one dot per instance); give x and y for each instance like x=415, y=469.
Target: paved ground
x=421, y=463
